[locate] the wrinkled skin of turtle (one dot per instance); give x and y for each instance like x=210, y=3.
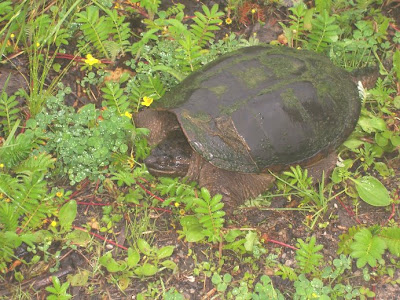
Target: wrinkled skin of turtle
x=254, y=110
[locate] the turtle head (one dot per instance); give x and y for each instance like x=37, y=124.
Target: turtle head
x=171, y=157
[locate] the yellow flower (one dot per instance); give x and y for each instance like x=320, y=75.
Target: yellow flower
x=37, y=45
x=228, y=21
x=8, y=200
x=182, y=212
x=90, y=60
x=253, y=11
x=127, y=114
x=54, y=224
x=131, y=161
x=176, y=204
x=12, y=35
x=59, y=194
x=147, y=101
x=1, y=166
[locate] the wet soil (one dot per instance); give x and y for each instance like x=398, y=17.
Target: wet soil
x=285, y=226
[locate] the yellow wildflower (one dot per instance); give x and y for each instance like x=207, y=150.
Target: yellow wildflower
x=131, y=161
x=253, y=11
x=8, y=200
x=1, y=166
x=176, y=204
x=12, y=35
x=54, y=224
x=127, y=114
x=90, y=60
x=182, y=212
x=147, y=101
x=37, y=45
x=228, y=21
x=59, y=194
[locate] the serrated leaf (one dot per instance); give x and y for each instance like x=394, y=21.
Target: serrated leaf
x=367, y=248
x=392, y=238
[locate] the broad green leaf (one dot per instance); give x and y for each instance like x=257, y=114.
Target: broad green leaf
x=133, y=257
x=146, y=270
x=372, y=191
x=109, y=262
x=372, y=124
x=169, y=264
x=144, y=247
x=165, y=252
x=251, y=237
x=67, y=214
x=353, y=143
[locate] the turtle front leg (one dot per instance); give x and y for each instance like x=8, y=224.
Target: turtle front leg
x=235, y=187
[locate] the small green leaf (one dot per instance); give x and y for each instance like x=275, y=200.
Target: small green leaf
x=169, y=264
x=109, y=262
x=67, y=214
x=144, y=247
x=133, y=257
x=165, y=252
x=372, y=191
x=251, y=238
x=146, y=270
x=372, y=124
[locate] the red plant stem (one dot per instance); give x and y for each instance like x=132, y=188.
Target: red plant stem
x=282, y=244
x=392, y=214
x=394, y=26
x=93, y=203
x=83, y=185
x=148, y=192
x=100, y=237
x=349, y=211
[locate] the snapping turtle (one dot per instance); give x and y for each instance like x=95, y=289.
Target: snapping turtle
x=256, y=109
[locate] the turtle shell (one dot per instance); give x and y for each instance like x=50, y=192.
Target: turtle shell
x=265, y=106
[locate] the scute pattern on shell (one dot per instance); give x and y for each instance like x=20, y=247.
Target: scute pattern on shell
x=265, y=106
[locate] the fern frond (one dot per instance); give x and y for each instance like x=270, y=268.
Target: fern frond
x=120, y=30
x=18, y=149
x=189, y=54
x=307, y=257
x=346, y=239
x=5, y=7
x=115, y=97
x=205, y=23
x=96, y=29
x=323, y=33
x=8, y=112
x=8, y=217
x=153, y=87
x=38, y=163
x=29, y=200
x=8, y=185
x=391, y=236
x=211, y=214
